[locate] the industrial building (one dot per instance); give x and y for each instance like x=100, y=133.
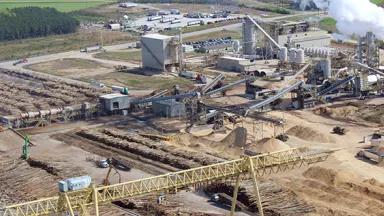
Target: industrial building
x=169, y=108
x=159, y=52
x=114, y=102
x=234, y=64
x=286, y=34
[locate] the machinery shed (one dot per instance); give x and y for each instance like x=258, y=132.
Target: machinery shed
x=169, y=108
x=114, y=102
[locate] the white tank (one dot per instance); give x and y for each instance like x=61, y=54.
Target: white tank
x=292, y=55
x=283, y=54
x=236, y=46
x=300, y=58
x=327, y=68
x=249, y=37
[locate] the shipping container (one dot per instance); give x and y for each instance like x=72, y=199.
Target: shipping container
x=73, y=184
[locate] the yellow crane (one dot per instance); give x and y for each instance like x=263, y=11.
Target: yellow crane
x=253, y=167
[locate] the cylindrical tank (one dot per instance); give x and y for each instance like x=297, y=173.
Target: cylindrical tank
x=300, y=58
x=292, y=55
x=236, y=46
x=327, y=68
x=249, y=37
x=283, y=54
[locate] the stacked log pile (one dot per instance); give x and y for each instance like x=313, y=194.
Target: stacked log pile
x=144, y=147
x=25, y=92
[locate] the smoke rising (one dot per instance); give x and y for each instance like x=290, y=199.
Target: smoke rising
x=354, y=17
x=357, y=17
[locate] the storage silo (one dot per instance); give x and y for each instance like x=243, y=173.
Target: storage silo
x=249, y=37
x=283, y=54
x=300, y=58
x=236, y=46
x=327, y=68
x=292, y=55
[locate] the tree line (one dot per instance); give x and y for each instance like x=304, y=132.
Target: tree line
x=28, y=22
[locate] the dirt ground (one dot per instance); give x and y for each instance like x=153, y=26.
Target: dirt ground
x=343, y=185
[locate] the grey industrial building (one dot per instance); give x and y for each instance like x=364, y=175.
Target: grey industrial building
x=114, y=102
x=168, y=108
x=234, y=64
x=159, y=51
x=290, y=34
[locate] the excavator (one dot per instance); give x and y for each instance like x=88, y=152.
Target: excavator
x=114, y=165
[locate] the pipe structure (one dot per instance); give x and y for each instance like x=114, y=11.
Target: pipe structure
x=369, y=68
x=179, y=96
x=264, y=32
x=227, y=87
x=210, y=85
x=273, y=98
x=336, y=85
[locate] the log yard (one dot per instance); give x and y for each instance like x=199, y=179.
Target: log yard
x=192, y=108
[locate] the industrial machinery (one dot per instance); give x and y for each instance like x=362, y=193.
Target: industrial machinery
x=256, y=166
x=26, y=146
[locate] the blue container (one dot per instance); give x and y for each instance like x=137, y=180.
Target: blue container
x=63, y=186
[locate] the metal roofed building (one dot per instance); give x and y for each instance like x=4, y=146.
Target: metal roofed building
x=114, y=102
x=159, y=51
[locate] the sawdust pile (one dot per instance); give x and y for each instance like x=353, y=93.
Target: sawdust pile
x=337, y=112
x=308, y=134
x=269, y=145
x=334, y=192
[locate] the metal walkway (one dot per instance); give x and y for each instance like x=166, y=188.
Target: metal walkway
x=273, y=98
x=336, y=85
x=257, y=166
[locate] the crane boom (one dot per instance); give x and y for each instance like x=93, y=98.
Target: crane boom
x=260, y=165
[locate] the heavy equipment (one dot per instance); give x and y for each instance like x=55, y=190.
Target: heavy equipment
x=246, y=167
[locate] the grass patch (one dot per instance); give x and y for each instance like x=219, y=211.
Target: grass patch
x=121, y=55
x=136, y=81
x=69, y=67
x=378, y=2
x=328, y=24
x=217, y=34
x=59, y=43
x=61, y=5
x=267, y=8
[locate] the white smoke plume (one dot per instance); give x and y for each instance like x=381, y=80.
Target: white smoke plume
x=354, y=17
x=357, y=17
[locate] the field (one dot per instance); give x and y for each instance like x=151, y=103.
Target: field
x=60, y=43
x=61, y=5
x=131, y=55
x=328, y=24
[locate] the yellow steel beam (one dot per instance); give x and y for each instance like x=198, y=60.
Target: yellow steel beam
x=262, y=165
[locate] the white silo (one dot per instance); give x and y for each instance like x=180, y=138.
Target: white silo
x=300, y=58
x=292, y=55
x=249, y=37
x=283, y=54
x=236, y=46
x=327, y=68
